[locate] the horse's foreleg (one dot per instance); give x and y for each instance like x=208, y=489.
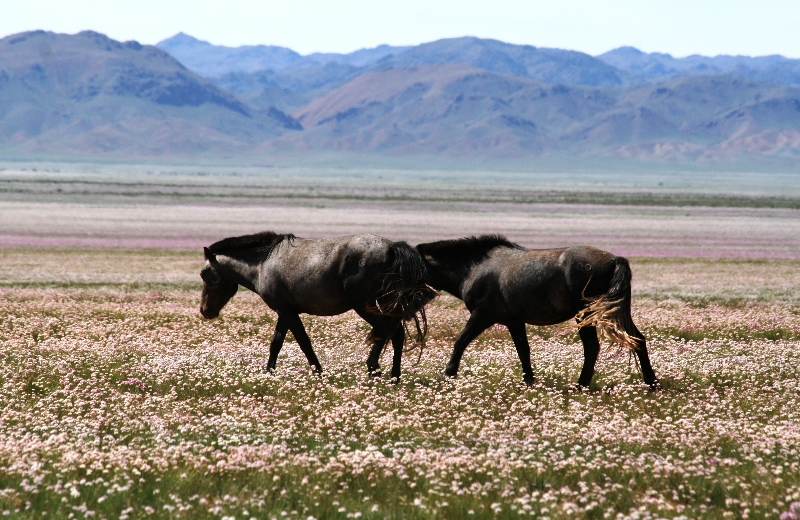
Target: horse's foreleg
x=520, y=338
x=475, y=325
x=644, y=360
x=591, y=348
x=373, y=360
x=296, y=326
x=277, y=342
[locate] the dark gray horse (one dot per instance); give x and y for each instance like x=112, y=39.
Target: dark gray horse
x=502, y=282
x=382, y=281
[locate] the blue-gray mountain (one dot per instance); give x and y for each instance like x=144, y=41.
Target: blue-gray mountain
x=655, y=67
x=212, y=61
x=462, y=110
x=463, y=97
x=87, y=93
x=625, y=66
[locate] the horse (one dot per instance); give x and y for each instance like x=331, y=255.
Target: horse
x=383, y=281
x=501, y=282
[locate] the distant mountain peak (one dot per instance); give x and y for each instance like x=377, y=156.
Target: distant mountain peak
x=88, y=93
x=181, y=39
x=625, y=50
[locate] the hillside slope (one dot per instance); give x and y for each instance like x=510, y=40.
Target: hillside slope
x=89, y=94
x=547, y=65
x=462, y=110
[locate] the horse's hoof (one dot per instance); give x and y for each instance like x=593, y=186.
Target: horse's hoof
x=529, y=380
x=655, y=386
x=394, y=380
x=375, y=373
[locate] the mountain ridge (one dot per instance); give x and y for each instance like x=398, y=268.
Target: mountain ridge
x=655, y=66
x=623, y=66
x=87, y=94
x=87, y=91
x=459, y=109
x=211, y=61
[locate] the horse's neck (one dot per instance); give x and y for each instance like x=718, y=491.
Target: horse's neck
x=455, y=268
x=243, y=272
x=449, y=276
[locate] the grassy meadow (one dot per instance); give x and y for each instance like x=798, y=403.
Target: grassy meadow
x=118, y=401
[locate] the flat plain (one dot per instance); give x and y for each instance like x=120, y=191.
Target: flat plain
x=118, y=401
x=662, y=215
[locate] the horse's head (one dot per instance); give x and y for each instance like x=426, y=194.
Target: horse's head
x=216, y=289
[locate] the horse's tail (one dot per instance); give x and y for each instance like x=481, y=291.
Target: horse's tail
x=610, y=313
x=404, y=293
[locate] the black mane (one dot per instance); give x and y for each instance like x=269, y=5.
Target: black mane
x=262, y=243
x=468, y=245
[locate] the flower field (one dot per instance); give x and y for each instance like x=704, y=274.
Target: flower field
x=118, y=401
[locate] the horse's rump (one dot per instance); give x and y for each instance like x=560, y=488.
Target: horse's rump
x=610, y=313
x=403, y=293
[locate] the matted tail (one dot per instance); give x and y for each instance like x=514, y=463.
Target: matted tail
x=404, y=293
x=610, y=313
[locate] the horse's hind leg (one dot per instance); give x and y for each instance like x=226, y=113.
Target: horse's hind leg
x=378, y=336
x=648, y=374
x=277, y=341
x=398, y=339
x=591, y=348
x=296, y=326
x=520, y=337
x=476, y=324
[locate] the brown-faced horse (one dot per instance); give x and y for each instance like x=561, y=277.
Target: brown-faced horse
x=382, y=281
x=502, y=282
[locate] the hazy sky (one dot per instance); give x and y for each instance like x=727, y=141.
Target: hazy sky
x=679, y=27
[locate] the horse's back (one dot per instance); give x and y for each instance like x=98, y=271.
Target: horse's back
x=311, y=275
x=545, y=286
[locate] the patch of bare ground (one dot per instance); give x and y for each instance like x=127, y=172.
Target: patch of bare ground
x=178, y=210
x=626, y=230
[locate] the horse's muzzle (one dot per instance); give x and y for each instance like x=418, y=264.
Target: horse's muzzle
x=208, y=313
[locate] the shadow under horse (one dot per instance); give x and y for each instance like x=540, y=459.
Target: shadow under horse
x=383, y=281
x=502, y=282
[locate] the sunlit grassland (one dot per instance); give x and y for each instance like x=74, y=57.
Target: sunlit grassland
x=118, y=401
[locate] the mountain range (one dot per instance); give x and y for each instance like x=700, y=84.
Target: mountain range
x=90, y=94
x=655, y=67
x=87, y=94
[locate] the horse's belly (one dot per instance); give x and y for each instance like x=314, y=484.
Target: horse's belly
x=541, y=302
x=548, y=317
x=320, y=302
x=314, y=306
x=324, y=307
x=310, y=295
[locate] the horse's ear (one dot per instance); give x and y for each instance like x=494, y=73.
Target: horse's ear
x=209, y=255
